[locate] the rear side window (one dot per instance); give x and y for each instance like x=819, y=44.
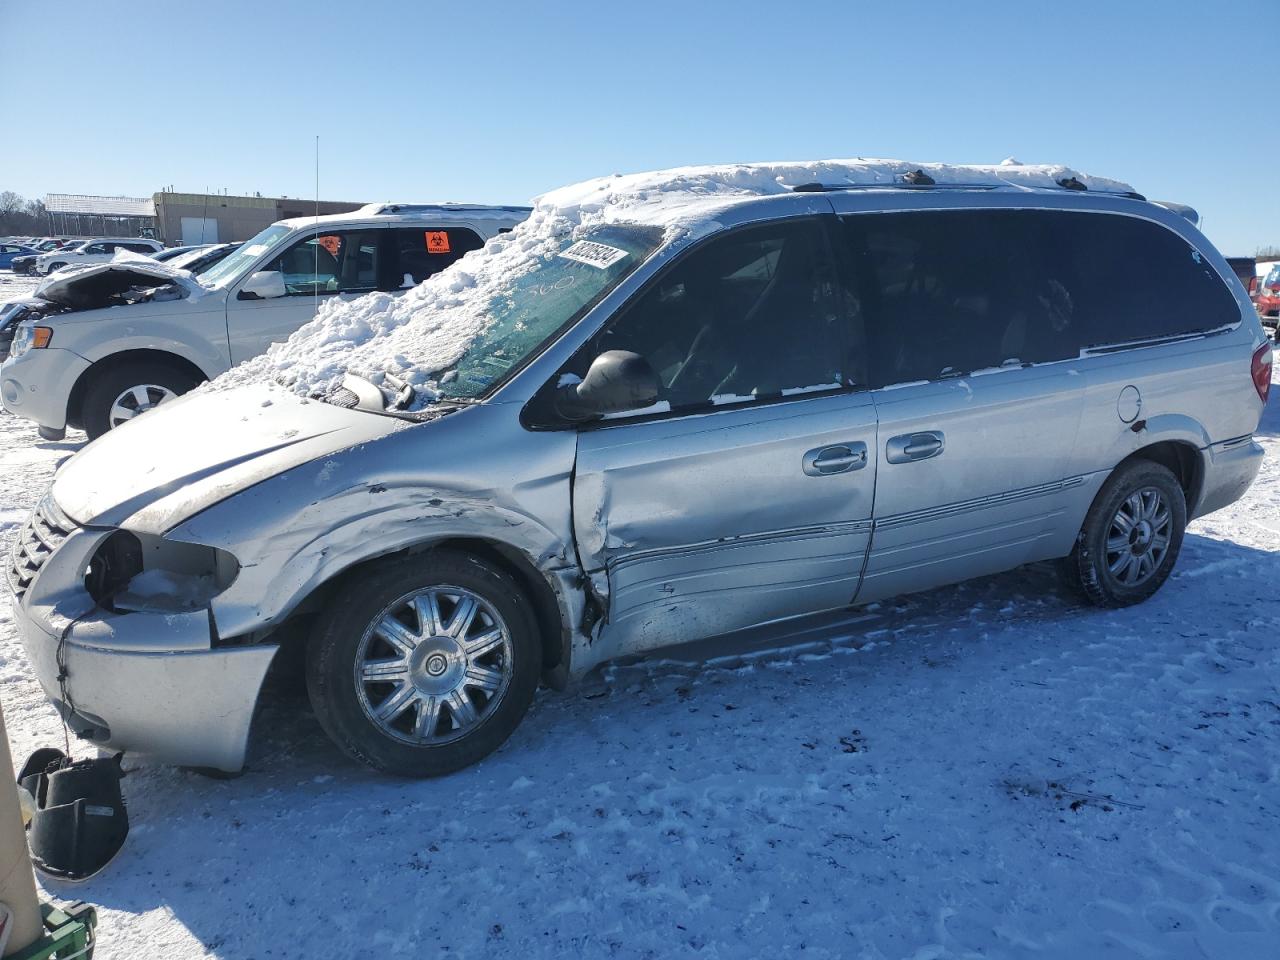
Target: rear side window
x=944, y=293
x=424, y=252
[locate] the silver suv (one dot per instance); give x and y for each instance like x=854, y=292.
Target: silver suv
x=667, y=407
x=97, y=347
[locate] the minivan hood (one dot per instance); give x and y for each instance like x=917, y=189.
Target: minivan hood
x=164, y=467
x=105, y=284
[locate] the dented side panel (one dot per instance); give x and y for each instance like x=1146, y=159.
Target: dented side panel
x=700, y=525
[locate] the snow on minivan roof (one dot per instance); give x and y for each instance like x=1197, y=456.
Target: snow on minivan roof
x=429, y=328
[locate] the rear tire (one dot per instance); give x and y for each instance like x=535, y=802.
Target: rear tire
x=400, y=682
x=129, y=390
x=1131, y=536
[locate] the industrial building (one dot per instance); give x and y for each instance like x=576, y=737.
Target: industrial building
x=178, y=218
x=189, y=218
x=78, y=215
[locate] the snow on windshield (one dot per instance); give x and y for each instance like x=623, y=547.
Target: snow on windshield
x=418, y=334
x=413, y=335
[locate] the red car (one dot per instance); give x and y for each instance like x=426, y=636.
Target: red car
x=1266, y=296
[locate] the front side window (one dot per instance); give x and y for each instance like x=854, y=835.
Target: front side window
x=94, y=248
x=755, y=313
x=341, y=261
x=425, y=251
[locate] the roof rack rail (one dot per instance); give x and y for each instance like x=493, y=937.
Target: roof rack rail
x=375, y=208
x=913, y=181
x=834, y=187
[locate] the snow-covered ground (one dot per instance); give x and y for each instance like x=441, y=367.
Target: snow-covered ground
x=13, y=285
x=984, y=771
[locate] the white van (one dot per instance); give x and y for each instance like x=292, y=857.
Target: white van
x=109, y=342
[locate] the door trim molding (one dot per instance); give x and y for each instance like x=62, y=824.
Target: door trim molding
x=978, y=503
x=751, y=539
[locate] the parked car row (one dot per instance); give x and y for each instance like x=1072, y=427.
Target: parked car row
x=9, y=251
x=94, y=250
x=673, y=406
x=29, y=249
x=24, y=251
x=42, y=244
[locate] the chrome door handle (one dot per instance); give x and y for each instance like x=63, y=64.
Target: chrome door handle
x=910, y=447
x=837, y=458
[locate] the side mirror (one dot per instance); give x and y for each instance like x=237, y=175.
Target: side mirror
x=617, y=381
x=263, y=285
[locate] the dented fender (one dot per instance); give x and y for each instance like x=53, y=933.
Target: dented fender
x=475, y=473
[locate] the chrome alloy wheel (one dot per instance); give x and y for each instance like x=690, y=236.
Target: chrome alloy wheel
x=1139, y=536
x=433, y=665
x=137, y=400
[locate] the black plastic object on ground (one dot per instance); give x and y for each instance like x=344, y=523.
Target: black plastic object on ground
x=80, y=822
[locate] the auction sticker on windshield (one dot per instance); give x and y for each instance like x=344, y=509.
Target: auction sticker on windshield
x=596, y=254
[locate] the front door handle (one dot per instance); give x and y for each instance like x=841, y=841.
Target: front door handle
x=837, y=458
x=910, y=447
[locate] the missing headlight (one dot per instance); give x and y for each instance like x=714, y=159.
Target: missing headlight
x=116, y=562
x=139, y=572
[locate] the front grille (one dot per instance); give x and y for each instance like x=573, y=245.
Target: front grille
x=42, y=534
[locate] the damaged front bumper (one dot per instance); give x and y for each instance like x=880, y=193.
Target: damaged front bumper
x=151, y=682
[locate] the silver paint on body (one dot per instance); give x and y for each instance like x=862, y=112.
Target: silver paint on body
x=645, y=532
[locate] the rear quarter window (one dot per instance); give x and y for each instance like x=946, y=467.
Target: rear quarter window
x=946, y=292
x=1132, y=280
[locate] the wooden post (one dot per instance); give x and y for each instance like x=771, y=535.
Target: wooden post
x=17, y=882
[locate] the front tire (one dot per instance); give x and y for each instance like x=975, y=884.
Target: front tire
x=425, y=665
x=1131, y=536
x=127, y=391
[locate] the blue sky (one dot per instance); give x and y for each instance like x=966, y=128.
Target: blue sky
x=497, y=102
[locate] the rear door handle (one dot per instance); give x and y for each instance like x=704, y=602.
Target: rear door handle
x=910, y=447
x=837, y=458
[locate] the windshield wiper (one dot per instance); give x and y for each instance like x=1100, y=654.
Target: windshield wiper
x=458, y=401
x=405, y=393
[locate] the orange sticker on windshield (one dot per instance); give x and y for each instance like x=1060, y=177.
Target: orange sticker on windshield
x=437, y=241
x=332, y=243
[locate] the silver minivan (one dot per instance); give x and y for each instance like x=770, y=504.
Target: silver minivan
x=667, y=407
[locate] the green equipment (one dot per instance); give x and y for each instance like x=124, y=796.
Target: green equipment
x=68, y=932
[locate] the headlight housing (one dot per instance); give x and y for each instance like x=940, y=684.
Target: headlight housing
x=142, y=572
x=30, y=337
